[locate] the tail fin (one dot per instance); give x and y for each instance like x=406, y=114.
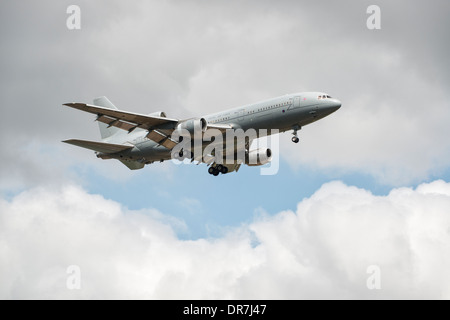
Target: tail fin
x=104, y=130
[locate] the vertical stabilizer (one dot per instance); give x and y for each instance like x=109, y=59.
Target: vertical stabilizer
x=104, y=130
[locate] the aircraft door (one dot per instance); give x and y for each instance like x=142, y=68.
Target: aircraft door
x=295, y=104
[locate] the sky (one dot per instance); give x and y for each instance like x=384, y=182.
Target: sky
x=367, y=187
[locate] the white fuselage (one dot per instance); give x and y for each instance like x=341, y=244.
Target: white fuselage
x=288, y=112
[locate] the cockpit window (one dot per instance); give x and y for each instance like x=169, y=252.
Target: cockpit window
x=328, y=97
x=324, y=97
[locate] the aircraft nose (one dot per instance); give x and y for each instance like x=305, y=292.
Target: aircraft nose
x=336, y=104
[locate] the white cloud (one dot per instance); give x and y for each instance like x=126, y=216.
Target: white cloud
x=320, y=251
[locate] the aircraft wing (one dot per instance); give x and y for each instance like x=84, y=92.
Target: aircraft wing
x=159, y=128
x=99, y=146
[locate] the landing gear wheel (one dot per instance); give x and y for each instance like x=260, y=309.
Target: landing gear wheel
x=295, y=138
x=215, y=171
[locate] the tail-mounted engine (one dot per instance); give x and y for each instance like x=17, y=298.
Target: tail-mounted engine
x=159, y=114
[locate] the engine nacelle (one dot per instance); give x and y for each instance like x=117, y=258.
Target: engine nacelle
x=193, y=124
x=258, y=157
x=158, y=114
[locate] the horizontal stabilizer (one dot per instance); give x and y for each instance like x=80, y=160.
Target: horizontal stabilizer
x=99, y=146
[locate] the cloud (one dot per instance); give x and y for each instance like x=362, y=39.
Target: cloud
x=322, y=250
x=191, y=58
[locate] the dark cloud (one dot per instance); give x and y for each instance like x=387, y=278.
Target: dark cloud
x=190, y=57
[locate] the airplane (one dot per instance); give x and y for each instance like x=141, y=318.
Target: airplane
x=138, y=139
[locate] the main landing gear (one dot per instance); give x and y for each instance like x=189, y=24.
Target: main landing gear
x=295, y=138
x=215, y=170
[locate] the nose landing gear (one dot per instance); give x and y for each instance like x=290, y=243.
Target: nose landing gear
x=295, y=138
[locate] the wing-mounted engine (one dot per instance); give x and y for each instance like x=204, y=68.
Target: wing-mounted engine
x=258, y=157
x=192, y=125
